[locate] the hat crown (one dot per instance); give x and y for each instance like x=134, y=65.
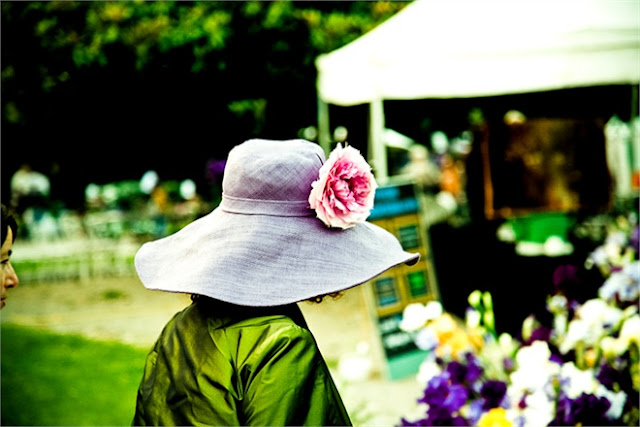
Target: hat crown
x=262, y=172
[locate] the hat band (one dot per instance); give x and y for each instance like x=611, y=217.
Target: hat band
x=266, y=207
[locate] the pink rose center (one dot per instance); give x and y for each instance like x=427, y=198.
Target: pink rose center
x=349, y=187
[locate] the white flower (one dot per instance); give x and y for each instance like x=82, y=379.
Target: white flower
x=426, y=339
x=534, y=369
x=598, y=256
x=594, y=320
x=617, y=401
x=615, y=284
x=472, y=318
x=578, y=331
x=624, y=283
x=414, y=317
x=633, y=270
x=612, y=347
x=630, y=331
x=600, y=314
x=629, y=311
x=535, y=354
x=428, y=369
x=539, y=409
x=612, y=251
x=507, y=344
x=575, y=381
x=616, y=239
x=433, y=310
x=492, y=360
x=557, y=304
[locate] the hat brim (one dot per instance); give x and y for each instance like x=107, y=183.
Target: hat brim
x=263, y=260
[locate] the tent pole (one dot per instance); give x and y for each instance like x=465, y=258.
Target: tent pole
x=324, y=137
x=377, y=149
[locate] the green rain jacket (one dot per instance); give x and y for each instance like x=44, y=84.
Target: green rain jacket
x=219, y=364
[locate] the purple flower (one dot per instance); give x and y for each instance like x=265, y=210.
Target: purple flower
x=608, y=376
x=587, y=409
x=439, y=393
x=460, y=373
x=476, y=409
x=420, y=422
x=617, y=375
x=564, y=276
x=456, y=398
x=457, y=372
x=563, y=406
x=556, y=359
x=444, y=399
x=508, y=363
x=634, y=239
x=541, y=333
x=493, y=392
x=440, y=416
x=474, y=369
x=436, y=391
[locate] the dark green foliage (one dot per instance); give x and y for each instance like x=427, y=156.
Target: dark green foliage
x=160, y=85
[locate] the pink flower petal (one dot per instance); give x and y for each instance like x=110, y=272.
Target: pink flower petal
x=344, y=193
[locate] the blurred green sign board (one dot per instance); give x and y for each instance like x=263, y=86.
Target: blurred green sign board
x=397, y=210
x=540, y=226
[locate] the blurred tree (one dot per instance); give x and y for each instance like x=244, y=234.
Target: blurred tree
x=132, y=76
x=70, y=37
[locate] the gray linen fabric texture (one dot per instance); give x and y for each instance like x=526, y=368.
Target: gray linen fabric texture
x=263, y=246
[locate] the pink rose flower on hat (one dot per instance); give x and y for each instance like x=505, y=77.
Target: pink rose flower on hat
x=343, y=194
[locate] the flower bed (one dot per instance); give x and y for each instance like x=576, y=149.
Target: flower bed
x=577, y=366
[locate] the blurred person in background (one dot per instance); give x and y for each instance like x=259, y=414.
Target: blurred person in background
x=30, y=191
x=290, y=228
x=29, y=188
x=159, y=208
x=422, y=169
x=8, y=275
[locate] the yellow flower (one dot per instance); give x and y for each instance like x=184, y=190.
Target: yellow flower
x=496, y=417
x=590, y=357
x=444, y=327
x=458, y=342
x=476, y=339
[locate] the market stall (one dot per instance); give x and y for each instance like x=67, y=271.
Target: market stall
x=440, y=50
x=461, y=49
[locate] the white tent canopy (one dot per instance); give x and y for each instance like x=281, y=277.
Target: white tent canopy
x=471, y=48
x=448, y=49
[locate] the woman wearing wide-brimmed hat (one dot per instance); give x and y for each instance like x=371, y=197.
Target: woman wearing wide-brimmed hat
x=291, y=227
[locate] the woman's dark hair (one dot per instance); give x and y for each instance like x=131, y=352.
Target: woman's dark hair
x=335, y=295
x=320, y=298
x=8, y=221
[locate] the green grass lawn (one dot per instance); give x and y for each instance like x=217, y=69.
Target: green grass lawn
x=49, y=379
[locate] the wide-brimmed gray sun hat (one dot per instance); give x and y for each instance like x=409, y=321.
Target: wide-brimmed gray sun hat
x=265, y=245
